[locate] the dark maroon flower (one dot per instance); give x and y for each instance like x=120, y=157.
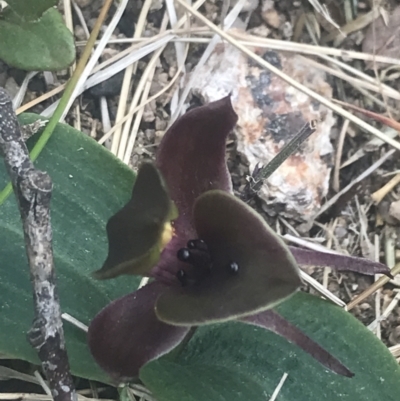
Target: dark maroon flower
x=212, y=258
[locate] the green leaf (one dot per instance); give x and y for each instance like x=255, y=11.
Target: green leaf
x=43, y=45
x=90, y=185
x=236, y=362
x=31, y=10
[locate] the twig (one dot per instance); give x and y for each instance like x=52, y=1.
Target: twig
x=33, y=189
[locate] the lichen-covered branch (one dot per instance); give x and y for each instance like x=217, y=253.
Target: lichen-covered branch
x=33, y=189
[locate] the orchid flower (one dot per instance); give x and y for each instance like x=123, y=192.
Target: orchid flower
x=210, y=256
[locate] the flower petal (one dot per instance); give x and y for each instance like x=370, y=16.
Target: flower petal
x=135, y=233
x=191, y=158
x=338, y=262
x=126, y=334
x=274, y=322
x=267, y=272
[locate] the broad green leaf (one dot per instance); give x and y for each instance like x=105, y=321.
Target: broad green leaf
x=31, y=10
x=46, y=44
x=236, y=362
x=90, y=185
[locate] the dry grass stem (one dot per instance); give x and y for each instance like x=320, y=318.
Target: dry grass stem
x=98, y=51
x=355, y=25
x=387, y=90
x=259, y=60
x=9, y=374
x=130, y=70
x=378, y=195
x=338, y=156
x=227, y=23
x=386, y=313
x=395, y=350
x=278, y=387
x=131, y=113
x=378, y=294
x=141, y=92
x=356, y=82
x=302, y=48
x=42, y=383
x=321, y=289
x=309, y=245
x=68, y=318
x=374, y=287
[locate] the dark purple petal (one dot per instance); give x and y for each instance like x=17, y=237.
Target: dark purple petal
x=126, y=334
x=266, y=271
x=338, y=262
x=191, y=158
x=272, y=321
x=135, y=233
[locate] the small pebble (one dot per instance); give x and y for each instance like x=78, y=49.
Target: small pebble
x=394, y=210
x=83, y=3
x=11, y=87
x=110, y=87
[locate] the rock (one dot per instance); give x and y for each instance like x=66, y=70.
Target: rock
x=261, y=30
x=11, y=87
x=110, y=87
x=3, y=78
x=79, y=33
x=161, y=124
x=394, y=337
x=37, y=84
x=83, y=3
x=148, y=114
x=269, y=14
x=394, y=210
x=272, y=18
x=270, y=113
x=287, y=30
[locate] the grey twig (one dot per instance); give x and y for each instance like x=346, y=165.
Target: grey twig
x=33, y=189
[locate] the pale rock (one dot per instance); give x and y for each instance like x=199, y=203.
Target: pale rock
x=79, y=33
x=11, y=87
x=83, y=3
x=156, y=5
x=262, y=31
x=271, y=18
x=287, y=30
x=394, y=210
x=270, y=113
x=269, y=14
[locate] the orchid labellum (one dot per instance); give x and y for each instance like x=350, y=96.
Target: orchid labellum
x=210, y=257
